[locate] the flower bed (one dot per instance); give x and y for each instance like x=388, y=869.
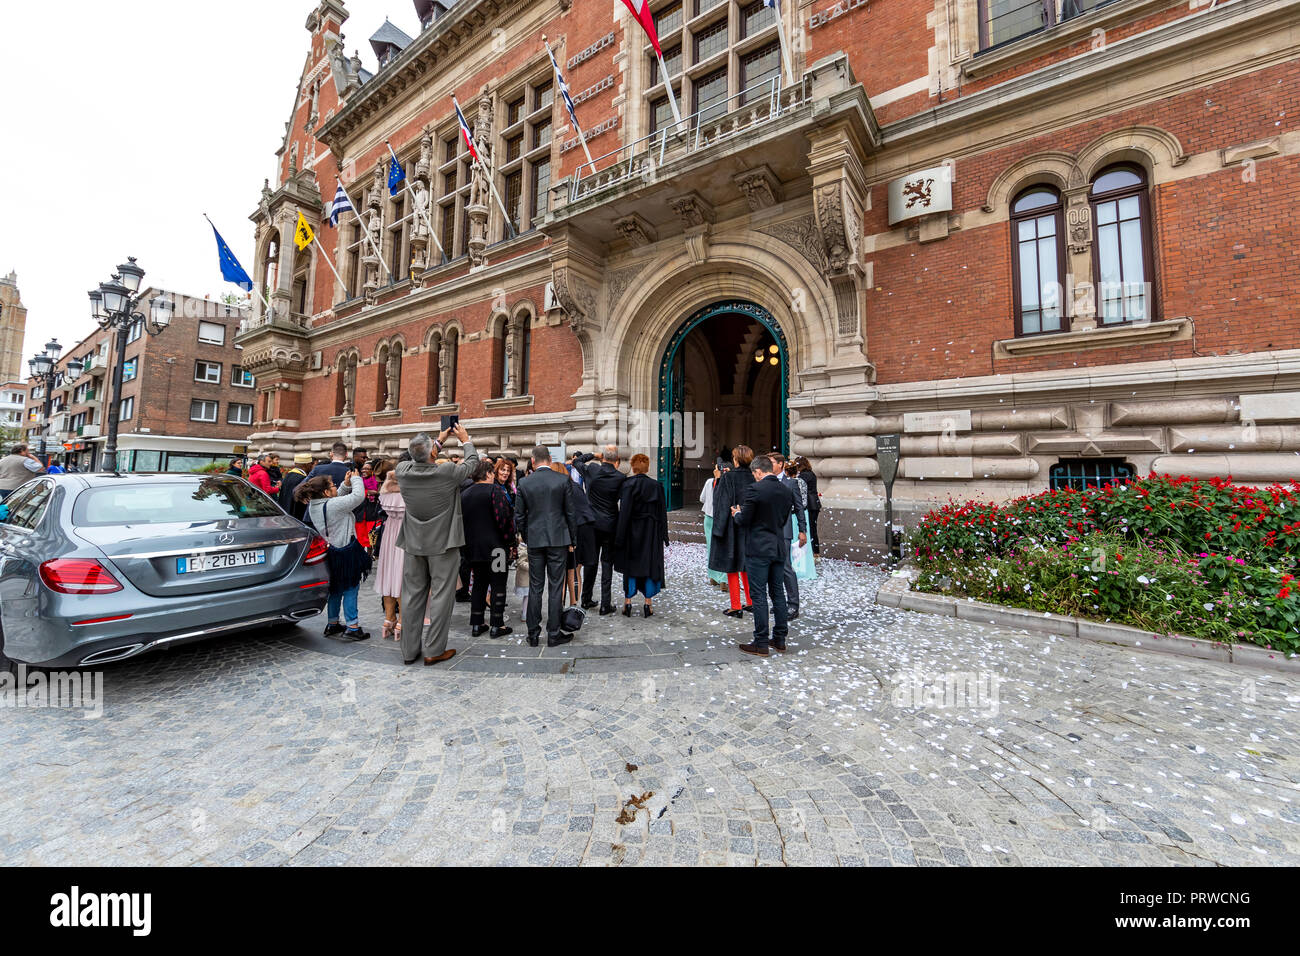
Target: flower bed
x=1204, y=558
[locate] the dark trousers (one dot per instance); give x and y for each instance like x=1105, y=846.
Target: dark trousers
x=463, y=585
x=546, y=568
x=768, y=578
x=605, y=549
x=485, y=576
x=812, y=527
x=790, y=578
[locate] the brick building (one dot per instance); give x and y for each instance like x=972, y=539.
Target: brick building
x=1041, y=242
x=186, y=400
x=13, y=326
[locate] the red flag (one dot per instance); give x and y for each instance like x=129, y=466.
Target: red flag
x=641, y=10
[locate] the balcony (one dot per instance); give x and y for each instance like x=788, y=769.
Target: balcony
x=713, y=154
x=88, y=431
x=96, y=365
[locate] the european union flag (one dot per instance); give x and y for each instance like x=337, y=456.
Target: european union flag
x=231, y=270
x=396, y=176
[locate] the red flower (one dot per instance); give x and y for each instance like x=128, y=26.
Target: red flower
x=1284, y=593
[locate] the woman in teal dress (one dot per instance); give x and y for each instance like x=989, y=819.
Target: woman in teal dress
x=801, y=559
x=716, y=578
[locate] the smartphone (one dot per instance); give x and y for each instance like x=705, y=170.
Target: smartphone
x=449, y=422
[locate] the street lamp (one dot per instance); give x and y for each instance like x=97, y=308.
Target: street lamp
x=113, y=306
x=42, y=367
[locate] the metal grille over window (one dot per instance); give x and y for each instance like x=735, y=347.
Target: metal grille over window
x=1089, y=473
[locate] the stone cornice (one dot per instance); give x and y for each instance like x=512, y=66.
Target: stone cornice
x=449, y=32
x=1102, y=337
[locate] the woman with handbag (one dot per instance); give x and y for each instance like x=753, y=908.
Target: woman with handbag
x=389, y=558
x=348, y=562
x=801, y=556
x=367, y=515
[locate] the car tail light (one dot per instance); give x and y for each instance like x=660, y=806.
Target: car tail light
x=317, y=548
x=78, y=576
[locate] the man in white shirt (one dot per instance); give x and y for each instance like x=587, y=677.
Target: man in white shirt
x=17, y=468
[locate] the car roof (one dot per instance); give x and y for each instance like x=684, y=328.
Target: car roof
x=102, y=479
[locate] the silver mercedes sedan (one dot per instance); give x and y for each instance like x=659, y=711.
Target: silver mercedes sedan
x=96, y=568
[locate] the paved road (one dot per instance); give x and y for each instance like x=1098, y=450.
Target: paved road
x=887, y=737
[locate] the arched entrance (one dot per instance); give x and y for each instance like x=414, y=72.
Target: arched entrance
x=724, y=380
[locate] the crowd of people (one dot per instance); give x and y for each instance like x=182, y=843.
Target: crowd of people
x=442, y=525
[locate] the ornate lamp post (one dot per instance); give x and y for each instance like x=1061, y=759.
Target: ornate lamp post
x=42, y=370
x=113, y=306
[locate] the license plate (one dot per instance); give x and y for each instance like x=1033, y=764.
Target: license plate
x=219, y=562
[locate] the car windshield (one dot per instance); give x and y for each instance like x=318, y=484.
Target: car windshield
x=212, y=499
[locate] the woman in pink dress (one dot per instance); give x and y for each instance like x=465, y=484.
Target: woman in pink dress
x=388, y=573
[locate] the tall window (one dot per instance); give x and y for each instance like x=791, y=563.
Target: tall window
x=126, y=409
x=1122, y=250
x=714, y=54
x=527, y=139
x=1002, y=21
x=1038, y=260
x=399, y=261
x=453, y=178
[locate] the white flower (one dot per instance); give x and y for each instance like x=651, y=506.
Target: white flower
x=1143, y=579
x=1208, y=607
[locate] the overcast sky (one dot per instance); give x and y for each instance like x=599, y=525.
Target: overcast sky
x=124, y=122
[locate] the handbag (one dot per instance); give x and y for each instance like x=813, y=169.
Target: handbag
x=572, y=618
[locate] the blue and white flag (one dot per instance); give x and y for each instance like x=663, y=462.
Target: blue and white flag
x=564, y=90
x=341, y=204
x=396, y=176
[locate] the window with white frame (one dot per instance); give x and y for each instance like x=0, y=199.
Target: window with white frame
x=212, y=333
x=719, y=54
x=126, y=409
x=239, y=414
x=130, y=369
x=241, y=377
x=207, y=372
x=137, y=330
x=203, y=411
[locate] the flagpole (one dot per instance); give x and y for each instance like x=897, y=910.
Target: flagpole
x=262, y=294
x=414, y=202
x=316, y=244
x=785, y=47
x=668, y=85
x=559, y=78
x=492, y=186
x=364, y=231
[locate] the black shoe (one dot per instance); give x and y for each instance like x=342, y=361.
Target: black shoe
x=627, y=610
x=588, y=604
x=755, y=649
x=749, y=608
x=793, y=615
x=646, y=611
x=533, y=640
x=735, y=613
x=356, y=634
x=607, y=609
x=462, y=597
x=559, y=639
x=478, y=630
x=500, y=632
x=334, y=628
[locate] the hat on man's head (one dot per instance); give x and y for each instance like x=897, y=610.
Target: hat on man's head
x=303, y=458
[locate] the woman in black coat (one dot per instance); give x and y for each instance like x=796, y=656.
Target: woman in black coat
x=807, y=476
x=727, y=549
x=641, y=536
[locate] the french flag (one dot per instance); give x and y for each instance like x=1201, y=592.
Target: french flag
x=641, y=10
x=464, y=131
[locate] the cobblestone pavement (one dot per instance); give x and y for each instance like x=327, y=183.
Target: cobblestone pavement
x=668, y=747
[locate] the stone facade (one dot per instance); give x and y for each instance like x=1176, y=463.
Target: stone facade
x=779, y=200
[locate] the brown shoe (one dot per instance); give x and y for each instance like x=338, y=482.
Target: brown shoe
x=777, y=647
x=444, y=656
x=753, y=649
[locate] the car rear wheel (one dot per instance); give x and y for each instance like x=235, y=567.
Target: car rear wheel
x=7, y=664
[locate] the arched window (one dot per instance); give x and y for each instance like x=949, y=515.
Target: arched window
x=433, y=378
x=451, y=348
x=1038, y=260
x=1122, y=247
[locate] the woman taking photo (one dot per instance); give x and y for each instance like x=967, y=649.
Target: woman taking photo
x=727, y=546
x=391, y=558
x=348, y=562
x=641, y=536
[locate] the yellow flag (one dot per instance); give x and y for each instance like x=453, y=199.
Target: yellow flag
x=303, y=235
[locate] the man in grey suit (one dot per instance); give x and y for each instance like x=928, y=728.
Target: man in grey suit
x=545, y=519
x=431, y=535
x=791, y=579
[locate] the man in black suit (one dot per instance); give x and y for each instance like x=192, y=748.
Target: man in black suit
x=765, y=513
x=545, y=519
x=791, y=579
x=604, y=485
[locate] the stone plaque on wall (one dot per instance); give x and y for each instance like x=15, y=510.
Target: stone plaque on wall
x=923, y=422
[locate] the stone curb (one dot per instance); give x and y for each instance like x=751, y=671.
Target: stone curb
x=897, y=593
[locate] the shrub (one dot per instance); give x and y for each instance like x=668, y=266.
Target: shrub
x=1205, y=558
